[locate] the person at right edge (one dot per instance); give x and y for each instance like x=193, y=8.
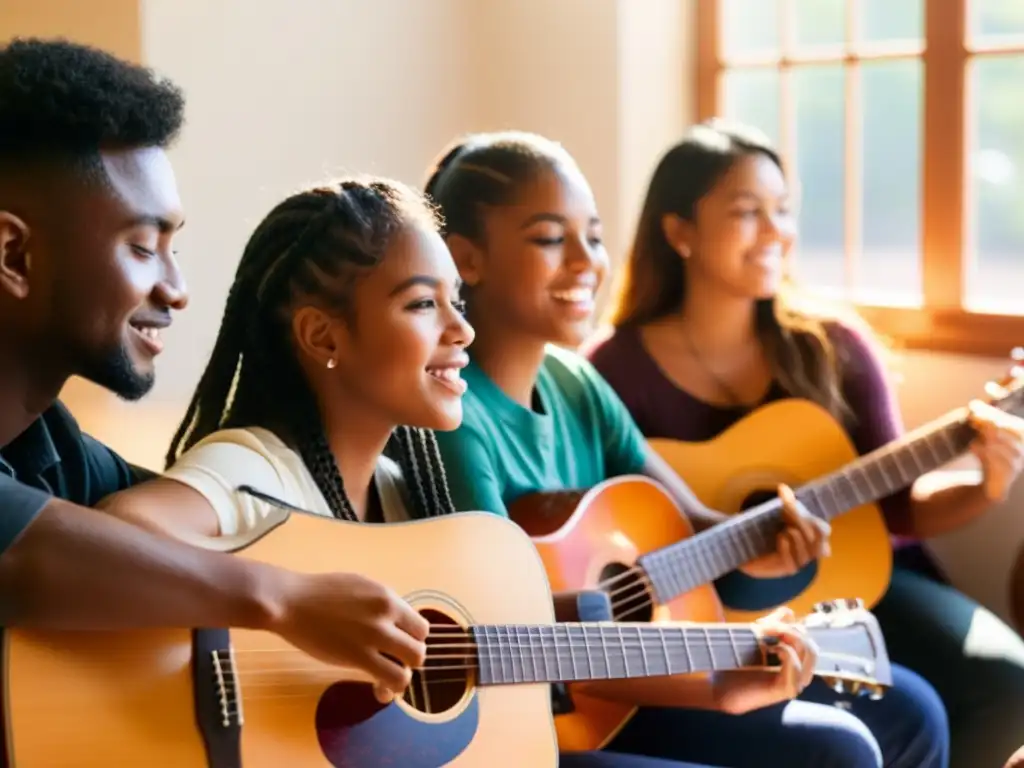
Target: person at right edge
x=523, y=228
x=708, y=330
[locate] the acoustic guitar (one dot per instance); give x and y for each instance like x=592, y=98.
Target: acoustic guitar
x=177, y=699
x=626, y=536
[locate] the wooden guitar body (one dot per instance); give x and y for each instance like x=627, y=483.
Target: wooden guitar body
x=74, y=700
x=587, y=537
x=789, y=441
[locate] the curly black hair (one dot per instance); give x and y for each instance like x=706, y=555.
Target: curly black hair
x=62, y=101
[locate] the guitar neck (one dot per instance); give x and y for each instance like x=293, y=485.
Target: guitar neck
x=509, y=654
x=701, y=559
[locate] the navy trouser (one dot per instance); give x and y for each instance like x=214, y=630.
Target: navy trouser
x=905, y=729
x=971, y=657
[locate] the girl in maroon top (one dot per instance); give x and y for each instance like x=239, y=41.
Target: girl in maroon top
x=705, y=330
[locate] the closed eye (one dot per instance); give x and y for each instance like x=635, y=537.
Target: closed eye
x=422, y=304
x=143, y=251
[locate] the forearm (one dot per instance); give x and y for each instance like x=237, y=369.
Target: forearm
x=76, y=568
x=941, y=508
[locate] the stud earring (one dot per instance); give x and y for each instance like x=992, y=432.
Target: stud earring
x=331, y=363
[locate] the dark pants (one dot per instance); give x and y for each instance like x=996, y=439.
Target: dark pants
x=822, y=729
x=613, y=760
x=973, y=659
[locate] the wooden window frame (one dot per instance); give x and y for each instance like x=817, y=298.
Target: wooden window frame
x=942, y=323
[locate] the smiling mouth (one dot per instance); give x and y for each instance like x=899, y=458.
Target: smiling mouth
x=450, y=377
x=150, y=336
x=575, y=295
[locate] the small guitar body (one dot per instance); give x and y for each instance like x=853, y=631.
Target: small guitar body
x=78, y=700
x=794, y=442
x=587, y=537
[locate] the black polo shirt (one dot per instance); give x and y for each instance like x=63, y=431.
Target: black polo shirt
x=52, y=458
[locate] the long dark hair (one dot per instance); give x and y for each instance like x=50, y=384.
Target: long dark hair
x=299, y=251
x=653, y=282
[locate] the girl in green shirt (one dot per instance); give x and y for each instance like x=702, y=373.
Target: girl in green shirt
x=523, y=228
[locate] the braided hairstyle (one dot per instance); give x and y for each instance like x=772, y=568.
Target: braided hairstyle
x=306, y=247
x=488, y=169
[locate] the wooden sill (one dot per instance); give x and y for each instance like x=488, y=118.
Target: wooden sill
x=940, y=330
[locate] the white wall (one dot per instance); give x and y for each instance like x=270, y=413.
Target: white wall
x=281, y=92
x=284, y=93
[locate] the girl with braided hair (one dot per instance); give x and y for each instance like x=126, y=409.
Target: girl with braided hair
x=339, y=352
x=342, y=328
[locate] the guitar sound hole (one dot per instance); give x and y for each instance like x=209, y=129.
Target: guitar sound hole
x=447, y=674
x=758, y=497
x=629, y=593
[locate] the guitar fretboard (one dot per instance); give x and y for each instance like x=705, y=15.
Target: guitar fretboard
x=678, y=568
x=573, y=652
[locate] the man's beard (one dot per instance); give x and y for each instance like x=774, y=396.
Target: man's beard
x=115, y=372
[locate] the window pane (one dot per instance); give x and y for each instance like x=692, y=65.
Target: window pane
x=749, y=27
x=752, y=96
x=995, y=18
x=820, y=22
x=820, y=101
x=890, y=261
x=887, y=20
x=996, y=187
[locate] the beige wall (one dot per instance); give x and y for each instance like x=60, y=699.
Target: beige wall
x=285, y=91
x=382, y=87
x=109, y=24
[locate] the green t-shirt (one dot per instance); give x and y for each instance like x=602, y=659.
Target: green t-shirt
x=502, y=451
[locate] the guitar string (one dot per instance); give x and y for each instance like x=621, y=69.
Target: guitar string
x=767, y=508
x=524, y=642
x=619, y=605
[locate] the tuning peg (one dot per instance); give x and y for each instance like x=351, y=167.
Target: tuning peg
x=875, y=692
x=825, y=606
x=996, y=390
x=1017, y=354
x=853, y=603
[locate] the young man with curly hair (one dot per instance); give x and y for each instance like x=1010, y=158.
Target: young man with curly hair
x=88, y=212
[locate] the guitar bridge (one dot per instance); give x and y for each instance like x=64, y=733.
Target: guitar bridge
x=218, y=697
x=227, y=688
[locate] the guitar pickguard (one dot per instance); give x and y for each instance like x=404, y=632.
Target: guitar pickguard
x=355, y=730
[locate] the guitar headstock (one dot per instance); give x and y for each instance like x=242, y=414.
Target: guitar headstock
x=852, y=656
x=1007, y=393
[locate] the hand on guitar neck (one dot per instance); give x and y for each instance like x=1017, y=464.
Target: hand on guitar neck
x=803, y=538
x=946, y=503
x=745, y=691
x=734, y=691
x=999, y=447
